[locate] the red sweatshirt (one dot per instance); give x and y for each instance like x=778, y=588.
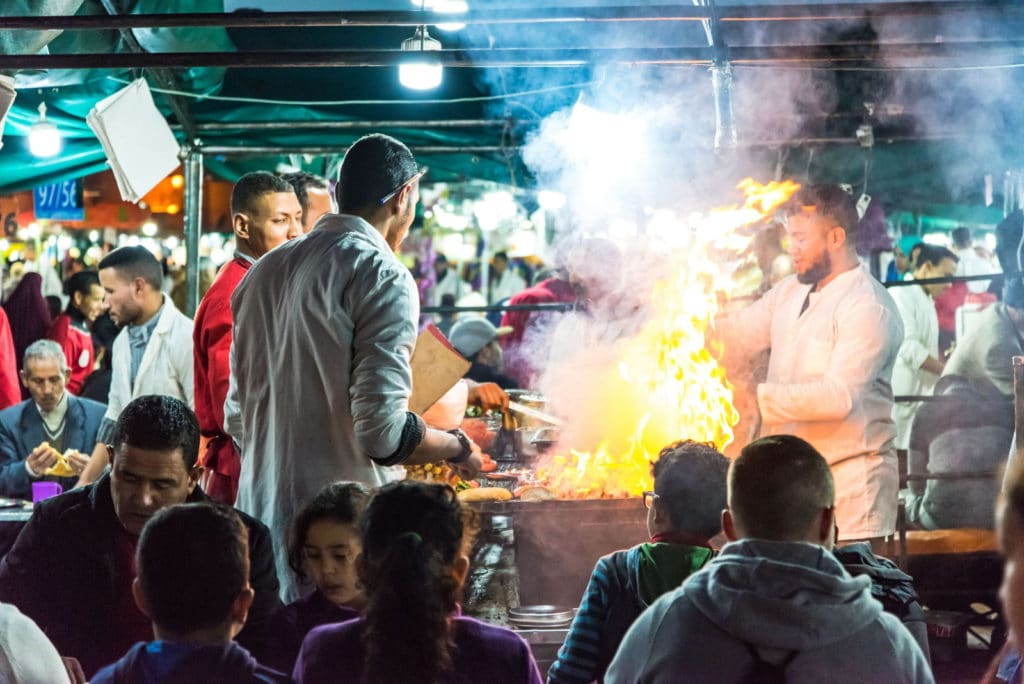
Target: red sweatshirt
x=10, y=390
x=76, y=341
x=211, y=348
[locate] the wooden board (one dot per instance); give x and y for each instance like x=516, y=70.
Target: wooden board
x=436, y=367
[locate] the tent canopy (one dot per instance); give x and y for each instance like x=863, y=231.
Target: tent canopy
x=936, y=85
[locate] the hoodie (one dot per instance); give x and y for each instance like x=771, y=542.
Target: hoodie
x=622, y=586
x=168, y=662
x=782, y=599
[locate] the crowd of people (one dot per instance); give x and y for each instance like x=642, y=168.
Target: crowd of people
x=236, y=508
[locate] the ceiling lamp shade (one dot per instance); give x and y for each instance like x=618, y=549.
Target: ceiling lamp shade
x=420, y=70
x=44, y=138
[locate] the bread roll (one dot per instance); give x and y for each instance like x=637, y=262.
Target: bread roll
x=485, y=494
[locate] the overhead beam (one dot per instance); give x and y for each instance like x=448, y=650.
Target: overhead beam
x=266, y=150
x=215, y=126
x=752, y=13
x=986, y=52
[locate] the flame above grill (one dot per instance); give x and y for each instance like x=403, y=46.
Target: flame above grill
x=665, y=382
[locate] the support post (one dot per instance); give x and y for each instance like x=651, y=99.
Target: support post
x=1018, y=407
x=193, y=226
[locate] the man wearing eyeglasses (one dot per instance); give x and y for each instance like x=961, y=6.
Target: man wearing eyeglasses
x=324, y=331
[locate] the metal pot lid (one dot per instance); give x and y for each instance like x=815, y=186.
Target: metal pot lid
x=541, y=614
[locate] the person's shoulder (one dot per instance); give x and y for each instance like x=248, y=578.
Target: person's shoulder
x=254, y=525
x=88, y=405
x=12, y=414
x=487, y=638
x=333, y=634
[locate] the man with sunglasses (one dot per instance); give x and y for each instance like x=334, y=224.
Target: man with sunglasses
x=324, y=331
x=834, y=332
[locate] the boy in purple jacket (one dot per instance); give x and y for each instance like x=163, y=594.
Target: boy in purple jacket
x=194, y=621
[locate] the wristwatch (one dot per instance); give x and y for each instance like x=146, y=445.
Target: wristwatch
x=467, y=447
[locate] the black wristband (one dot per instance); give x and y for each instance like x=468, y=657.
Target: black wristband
x=467, y=447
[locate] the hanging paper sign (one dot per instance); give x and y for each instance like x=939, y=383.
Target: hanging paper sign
x=59, y=201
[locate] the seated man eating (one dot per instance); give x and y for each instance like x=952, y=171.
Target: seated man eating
x=72, y=567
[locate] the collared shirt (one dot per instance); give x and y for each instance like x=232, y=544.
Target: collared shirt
x=830, y=383
x=54, y=420
x=345, y=309
x=920, y=341
x=138, y=338
x=239, y=254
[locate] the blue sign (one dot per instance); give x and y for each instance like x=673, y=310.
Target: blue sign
x=59, y=201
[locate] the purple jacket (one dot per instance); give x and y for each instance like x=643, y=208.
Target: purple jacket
x=293, y=622
x=484, y=653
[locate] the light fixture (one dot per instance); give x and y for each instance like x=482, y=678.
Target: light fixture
x=149, y=229
x=451, y=7
x=44, y=139
x=550, y=200
x=94, y=236
x=420, y=72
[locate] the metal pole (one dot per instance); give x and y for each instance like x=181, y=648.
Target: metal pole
x=214, y=126
x=193, y=226
x=811, y=12
x=1018, y=406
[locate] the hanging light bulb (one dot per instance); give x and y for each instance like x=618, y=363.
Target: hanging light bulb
x=421, y=71
x=44, y=139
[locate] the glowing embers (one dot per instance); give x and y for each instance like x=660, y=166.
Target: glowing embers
x=664, y=382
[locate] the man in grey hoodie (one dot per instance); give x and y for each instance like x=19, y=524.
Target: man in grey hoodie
x=775, y=599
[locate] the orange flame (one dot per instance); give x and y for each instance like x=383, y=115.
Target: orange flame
x=667, y=384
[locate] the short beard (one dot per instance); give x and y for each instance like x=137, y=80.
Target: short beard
x=818, y=272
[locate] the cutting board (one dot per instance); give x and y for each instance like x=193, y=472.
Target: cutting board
x=436, y=367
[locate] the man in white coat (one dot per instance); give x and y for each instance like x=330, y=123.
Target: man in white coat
x=153, y=352
x=505, y=282
x=324, y=330
x=918, y=363
x=833, y=332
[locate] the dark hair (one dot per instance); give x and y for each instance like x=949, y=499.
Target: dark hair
x=962, y=236
x=81, y=282
x=135, y=262
x=375, y=165
x=501, y=255
x=301, y=182
x=412, y=532
x=341, y=502
x=934, y=255
x=777, y=486
x=160, y=423
x=193, y=562
x=440, y=259
x=689, y=479
x=832, y=202
x=252, y=186
x=53, y=304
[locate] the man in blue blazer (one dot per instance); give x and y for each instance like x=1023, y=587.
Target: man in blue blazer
x=50, y=423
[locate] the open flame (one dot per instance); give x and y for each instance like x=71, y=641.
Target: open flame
x=664, y=383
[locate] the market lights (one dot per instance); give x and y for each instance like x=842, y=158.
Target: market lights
x=423, y=71
x=44, y=138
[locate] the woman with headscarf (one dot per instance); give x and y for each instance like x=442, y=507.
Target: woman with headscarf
x=28, y=314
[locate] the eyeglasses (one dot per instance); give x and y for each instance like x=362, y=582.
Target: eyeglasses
x=649, y=498
x=387, y=198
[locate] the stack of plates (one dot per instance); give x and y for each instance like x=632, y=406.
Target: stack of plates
x=540, y=617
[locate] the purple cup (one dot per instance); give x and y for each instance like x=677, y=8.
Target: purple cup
x=44, y=490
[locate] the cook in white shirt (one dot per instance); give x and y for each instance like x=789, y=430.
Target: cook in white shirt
x=834, y=332
x=918, y=365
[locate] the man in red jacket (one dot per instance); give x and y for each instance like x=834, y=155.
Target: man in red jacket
x=265, y=213
x=10, y=390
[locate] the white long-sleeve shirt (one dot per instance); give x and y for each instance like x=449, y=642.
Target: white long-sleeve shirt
x=507, y=284
x=324, y=328
x=829, y=382
x=920, y=340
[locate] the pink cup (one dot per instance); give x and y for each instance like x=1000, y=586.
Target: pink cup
x=44, y=490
